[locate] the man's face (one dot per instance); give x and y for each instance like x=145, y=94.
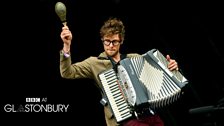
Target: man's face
x=112, y=44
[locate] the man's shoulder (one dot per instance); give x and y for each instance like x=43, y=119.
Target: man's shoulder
x=95, y=58
x=92, y=58
x=133, y=55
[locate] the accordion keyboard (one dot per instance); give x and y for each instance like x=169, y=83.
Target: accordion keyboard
x=115, y=97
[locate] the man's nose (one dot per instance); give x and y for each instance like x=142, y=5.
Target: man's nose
x=111, y=44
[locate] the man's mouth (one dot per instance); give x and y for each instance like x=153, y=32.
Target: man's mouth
x=111, y=50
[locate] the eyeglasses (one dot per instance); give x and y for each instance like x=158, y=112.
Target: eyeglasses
x=114, y=42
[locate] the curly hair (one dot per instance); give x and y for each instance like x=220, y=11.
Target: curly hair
x=113, y=26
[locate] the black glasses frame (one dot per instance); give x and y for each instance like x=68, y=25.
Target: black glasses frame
x=114, y=42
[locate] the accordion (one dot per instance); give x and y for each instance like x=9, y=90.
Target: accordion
x=139, y=83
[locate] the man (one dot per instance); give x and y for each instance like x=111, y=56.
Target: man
x=112, y=35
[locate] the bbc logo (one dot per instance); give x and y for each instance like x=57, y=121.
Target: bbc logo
x=32, y=99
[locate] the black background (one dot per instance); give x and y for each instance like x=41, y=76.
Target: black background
x=30, y=42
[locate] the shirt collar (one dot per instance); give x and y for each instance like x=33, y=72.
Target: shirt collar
x=102, y=56
x=105, y=57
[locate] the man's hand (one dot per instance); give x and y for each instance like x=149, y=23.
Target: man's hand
x=172, y=65
x=66, y=37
